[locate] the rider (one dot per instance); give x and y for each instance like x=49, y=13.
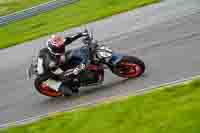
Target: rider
x=52, y=59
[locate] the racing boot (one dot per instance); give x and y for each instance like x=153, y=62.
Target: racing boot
x=65, y=89
x=75, y=85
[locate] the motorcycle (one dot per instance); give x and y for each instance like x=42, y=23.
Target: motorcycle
x=101, y=57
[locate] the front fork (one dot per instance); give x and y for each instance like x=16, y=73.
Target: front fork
x=115, y=59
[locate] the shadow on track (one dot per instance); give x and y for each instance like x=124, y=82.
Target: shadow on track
x=85, y=92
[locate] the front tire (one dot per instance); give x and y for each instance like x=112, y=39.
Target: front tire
x=129, y=67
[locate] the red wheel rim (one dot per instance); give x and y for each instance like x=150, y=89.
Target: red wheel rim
x=44, y=89
x=132, y=70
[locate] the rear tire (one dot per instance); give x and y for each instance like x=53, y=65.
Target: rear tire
x=136, y=65
x=45, y=90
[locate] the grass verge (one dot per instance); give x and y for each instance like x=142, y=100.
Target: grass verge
x=10, y=6
x=63, y=18
x=174, y=109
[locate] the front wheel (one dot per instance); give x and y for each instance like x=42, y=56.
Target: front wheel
x=129, y=67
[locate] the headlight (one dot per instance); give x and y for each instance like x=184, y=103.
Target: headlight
x=104, y=52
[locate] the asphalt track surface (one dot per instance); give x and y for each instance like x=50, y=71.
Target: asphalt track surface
x=168, y=41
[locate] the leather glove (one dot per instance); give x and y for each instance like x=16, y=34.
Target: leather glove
x=79, y=68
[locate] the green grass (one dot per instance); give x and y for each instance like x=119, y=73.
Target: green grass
x=10, y=6
x=173, y=109
x=63, y=18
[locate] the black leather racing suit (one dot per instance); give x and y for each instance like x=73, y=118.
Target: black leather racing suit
x=53, y=66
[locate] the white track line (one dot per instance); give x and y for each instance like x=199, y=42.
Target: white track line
x=32, y=119
x=35, y=10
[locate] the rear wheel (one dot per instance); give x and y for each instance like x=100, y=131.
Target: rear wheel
x=44, y=89
x=129, y=67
